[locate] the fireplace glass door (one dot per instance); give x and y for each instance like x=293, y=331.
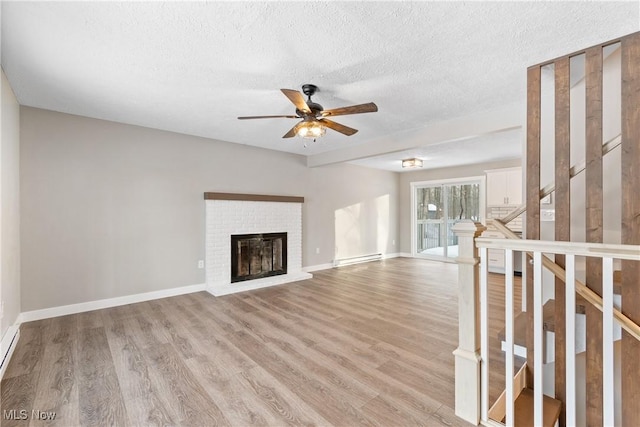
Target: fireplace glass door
x=254, y=256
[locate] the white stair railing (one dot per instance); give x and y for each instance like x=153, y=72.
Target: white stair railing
x=608, y=253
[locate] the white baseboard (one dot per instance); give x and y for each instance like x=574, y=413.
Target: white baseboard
x=393, y=255
x=356, y=260
x=405, y=255
x=328, y=266
x=317, y=267
x=64, y=310
x=7, y=346
x=46, y=313
x=367, y=258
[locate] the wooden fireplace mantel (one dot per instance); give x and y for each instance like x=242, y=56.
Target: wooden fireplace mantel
x=253, y=197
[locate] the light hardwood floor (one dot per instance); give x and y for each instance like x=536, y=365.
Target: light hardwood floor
x=368, y=344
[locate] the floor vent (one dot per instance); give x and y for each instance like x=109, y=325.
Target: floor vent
x=356, y=260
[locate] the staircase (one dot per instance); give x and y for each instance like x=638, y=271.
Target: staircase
x=549, y=325
x=518, y=391
x=523, y=406
x=604, y=299
x=524, y=410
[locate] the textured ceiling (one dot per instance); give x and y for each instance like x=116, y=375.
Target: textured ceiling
x=496, y=146
x=194, y=67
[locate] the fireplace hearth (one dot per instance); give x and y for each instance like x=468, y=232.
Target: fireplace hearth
x=255, y=256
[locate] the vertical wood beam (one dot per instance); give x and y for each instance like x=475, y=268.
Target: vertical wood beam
x=630, y=169
x=594, y=229
x=563, y=216
x=533, y=195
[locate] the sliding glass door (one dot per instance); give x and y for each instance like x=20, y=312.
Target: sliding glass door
x=437, y=206
x=430, y=224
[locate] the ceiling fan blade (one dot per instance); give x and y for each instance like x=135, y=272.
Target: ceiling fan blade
x=293, y=131
x=267, y=117
x=298, y=99
x=353, y=109
x=346, y=130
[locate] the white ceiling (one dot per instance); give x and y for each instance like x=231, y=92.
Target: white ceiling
x=193, y=67
x=496, y=146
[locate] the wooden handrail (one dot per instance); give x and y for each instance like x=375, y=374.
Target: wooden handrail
x=627, y=324
x=607, y=147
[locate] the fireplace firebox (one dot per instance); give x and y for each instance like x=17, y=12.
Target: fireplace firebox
x=254, y=256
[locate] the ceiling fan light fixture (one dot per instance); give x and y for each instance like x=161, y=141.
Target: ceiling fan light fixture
x=412, y=163
x=314, y=122
x=311, y=129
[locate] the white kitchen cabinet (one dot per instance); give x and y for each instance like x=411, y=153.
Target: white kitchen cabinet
x=504, y=187
x=496, y=260
x=495, y=263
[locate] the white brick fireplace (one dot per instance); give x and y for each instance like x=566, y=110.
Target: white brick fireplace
x=228, y=214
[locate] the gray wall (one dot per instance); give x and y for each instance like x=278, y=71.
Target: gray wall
x=115, y=210
x=354, y=211
x=10, y=207
x=433, y=175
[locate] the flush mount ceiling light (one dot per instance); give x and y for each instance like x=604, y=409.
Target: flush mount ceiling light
x=412, y=163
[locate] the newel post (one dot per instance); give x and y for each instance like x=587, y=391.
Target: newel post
x=467, y=356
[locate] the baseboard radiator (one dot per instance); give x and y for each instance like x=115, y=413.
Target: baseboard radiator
x=7, y=345
x=356, y=260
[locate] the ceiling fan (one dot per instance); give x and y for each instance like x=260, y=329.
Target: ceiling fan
x=314, y=117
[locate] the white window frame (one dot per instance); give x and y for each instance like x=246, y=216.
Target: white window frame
x=480, y=179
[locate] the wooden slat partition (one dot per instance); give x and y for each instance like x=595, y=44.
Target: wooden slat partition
x=575, y=170
x=594, y=199
x=594, y=230
x=630, y=168
x=533, y=191
x=563, y=215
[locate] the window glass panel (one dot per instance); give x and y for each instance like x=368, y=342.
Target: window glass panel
x=463, y=202
x=430, y=214
x=438, y=208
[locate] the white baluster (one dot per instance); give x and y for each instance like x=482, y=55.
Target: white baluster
x=508, y=275
x=537, y=339
x=570, y=313
x=607, y=342
x=484, y=334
